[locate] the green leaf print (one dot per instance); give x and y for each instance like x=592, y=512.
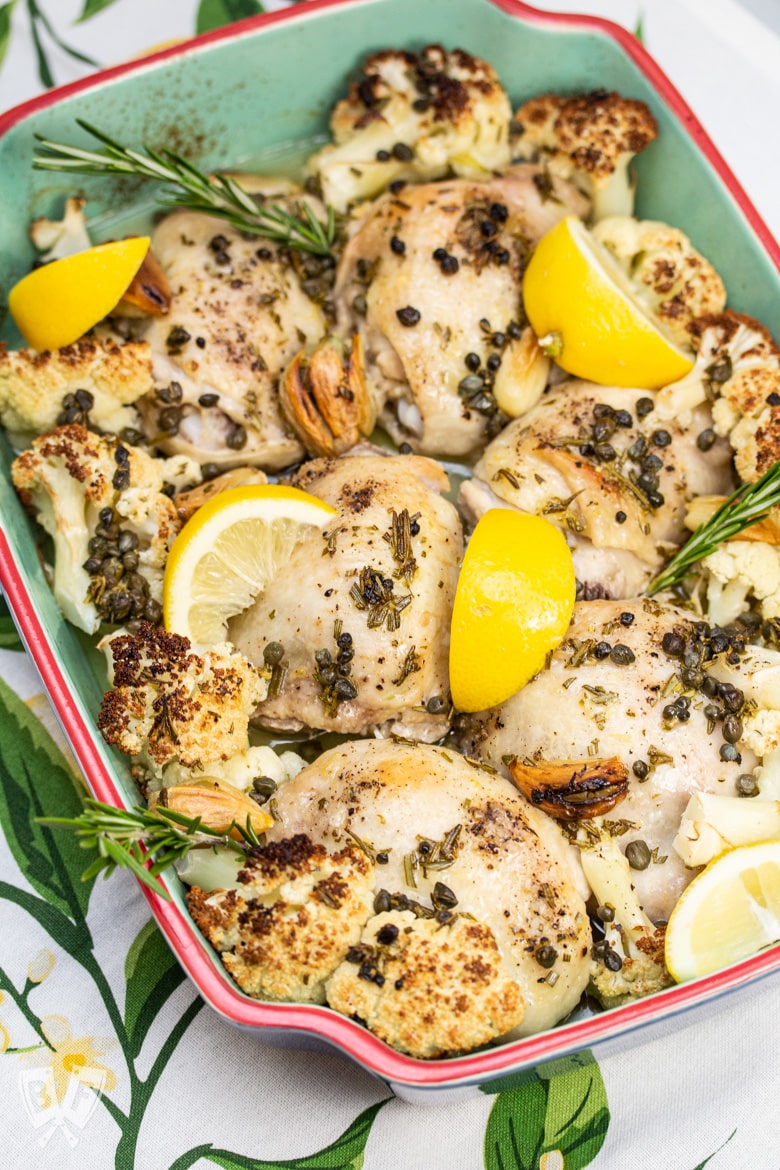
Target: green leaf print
x=514, y=1137
x=35, y=781
x=346, y=1153
x=6, y=11
x=151, y=975
x=92, y=7
x=216, y=13
x=564, y=1111
x=9, y=636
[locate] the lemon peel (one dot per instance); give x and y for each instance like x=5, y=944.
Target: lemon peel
x=55, y=305
x=513, y=605
x=591, y=319
x=728, y=912
x=229, y=550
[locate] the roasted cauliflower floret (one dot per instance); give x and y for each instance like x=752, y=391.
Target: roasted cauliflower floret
x=103, y=503
x=296, y=915
x=427, y=988
x=590, y=138
x=674, y=281
x=95, y=379
x=56, y=238
x=169, y=704
x=414, y=116
x=738, y=571
x=629, y=961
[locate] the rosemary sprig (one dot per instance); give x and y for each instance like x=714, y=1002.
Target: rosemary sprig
x=134, y=838
x=748, y=505
x=188, y=187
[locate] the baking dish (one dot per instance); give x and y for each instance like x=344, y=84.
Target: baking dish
x=230, y=98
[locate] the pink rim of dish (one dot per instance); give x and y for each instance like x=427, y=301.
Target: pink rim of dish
x=345, y=1035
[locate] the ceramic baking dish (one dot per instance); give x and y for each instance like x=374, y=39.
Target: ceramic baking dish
x=231, y=98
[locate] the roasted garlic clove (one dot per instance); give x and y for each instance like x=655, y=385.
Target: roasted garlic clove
x=219, y=806
x=149, y=294
x=702, y=508
x=325, y=397
x=572, y=790
x=522, y=376
x=187, y=503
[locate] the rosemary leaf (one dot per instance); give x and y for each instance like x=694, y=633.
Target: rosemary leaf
x=145, y=841
x=748, y=505
x=188, y=187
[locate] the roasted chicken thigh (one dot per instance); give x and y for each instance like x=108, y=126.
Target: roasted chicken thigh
x=620, y=687
x=362, y=611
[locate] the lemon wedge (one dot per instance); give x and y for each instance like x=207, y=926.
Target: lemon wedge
x=513, y=604
x=729, y=911
x=228, y=551
x=589, y=317
x=56, y=304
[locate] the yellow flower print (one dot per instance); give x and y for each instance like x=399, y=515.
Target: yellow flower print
x=70, y=1056
x=5, y=1039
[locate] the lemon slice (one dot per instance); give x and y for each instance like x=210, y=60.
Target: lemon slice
x=228, y=551
x=56, y=304
x=513, y=604
x=588, y=315
x=729, y=911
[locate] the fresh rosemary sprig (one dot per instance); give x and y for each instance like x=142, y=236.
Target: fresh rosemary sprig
x=131, y=838
x=748, y=505
x=188, y=187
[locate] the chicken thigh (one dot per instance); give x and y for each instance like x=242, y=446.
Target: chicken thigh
x=238, y=315
x=363, y=609
x=633, y=681
x=595, y=461
x=431, y=277
x=509, y=865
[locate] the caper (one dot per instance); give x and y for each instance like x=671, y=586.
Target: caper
x=732, y=728
x=321, y=657
x=612, y=960
x=638, y=854
x=236, y=438
x=673, y=644
x=746, y=785
x=623, y=655
x=382, y=902
x=131, y=560
x=153, y=612
x=605, y=913
x=264, y=787
x=546, y=955
x=443, y=897
x=273, y=653
x=729, y=754
x=435, y=705
x=640, y=769
x=344, y=689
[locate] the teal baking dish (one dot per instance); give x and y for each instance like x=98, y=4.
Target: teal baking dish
x=243, y=95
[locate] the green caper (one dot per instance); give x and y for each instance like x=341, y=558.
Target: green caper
x=273, y=653
x=638, y=854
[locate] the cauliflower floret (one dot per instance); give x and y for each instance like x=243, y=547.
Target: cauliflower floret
x=296, y=915
x=417, y=117
x=737, y=366
x=672, y=279
x=629, y=963
x=239, y=770
x=737, y=571
x=590, y=138
x=100, y=379
x=642, y=971
x=56, y=238
x=713, y=823
x=103, y=503
x=169, y=704
x=427, y=988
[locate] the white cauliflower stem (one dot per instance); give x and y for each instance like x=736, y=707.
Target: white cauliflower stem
x=103, y=504
x=712, y=823
x=737, y=571
x=590, y=138
x=417, y=117
x=98, y=378
x=632, y=943
x=56, y=238
x=168, y=704
x=672, y=279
